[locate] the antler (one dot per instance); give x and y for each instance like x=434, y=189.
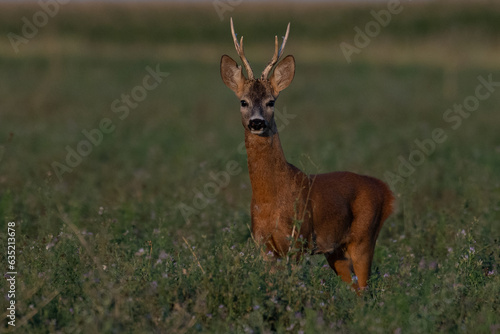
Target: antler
x=241, y=53
x=277, y=54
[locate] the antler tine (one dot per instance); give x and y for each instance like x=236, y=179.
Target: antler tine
x=241, y=53
x=277, y=53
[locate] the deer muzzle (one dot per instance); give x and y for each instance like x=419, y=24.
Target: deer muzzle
x=257, y=125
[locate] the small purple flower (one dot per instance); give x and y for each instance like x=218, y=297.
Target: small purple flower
x=162, y=255
x=256, y=307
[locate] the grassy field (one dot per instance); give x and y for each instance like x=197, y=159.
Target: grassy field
x=116, y=233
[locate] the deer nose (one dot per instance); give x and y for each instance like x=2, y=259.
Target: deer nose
x=257, y=124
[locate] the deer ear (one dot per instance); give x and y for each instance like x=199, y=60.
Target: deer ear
x=283, y=74
x=231, y=74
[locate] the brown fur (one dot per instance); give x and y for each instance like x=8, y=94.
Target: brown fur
x=337, y=214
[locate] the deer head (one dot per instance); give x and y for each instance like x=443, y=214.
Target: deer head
x=257, y=96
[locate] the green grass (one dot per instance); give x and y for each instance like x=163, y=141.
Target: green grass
x=107, y=249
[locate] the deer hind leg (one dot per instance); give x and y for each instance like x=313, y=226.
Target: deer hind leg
x=361, y=254
x=341, y=264
x=364, y=233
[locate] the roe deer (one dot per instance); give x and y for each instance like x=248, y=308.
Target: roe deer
x=337, y=214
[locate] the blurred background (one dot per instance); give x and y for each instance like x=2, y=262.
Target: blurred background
x=85, y=138
x=65, y=65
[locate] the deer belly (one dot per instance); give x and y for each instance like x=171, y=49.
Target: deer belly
x=331, y=230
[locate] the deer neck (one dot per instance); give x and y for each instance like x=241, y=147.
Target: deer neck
x=267, y=165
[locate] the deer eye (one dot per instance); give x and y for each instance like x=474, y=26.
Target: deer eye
x=270, y=104
x=244, y=103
